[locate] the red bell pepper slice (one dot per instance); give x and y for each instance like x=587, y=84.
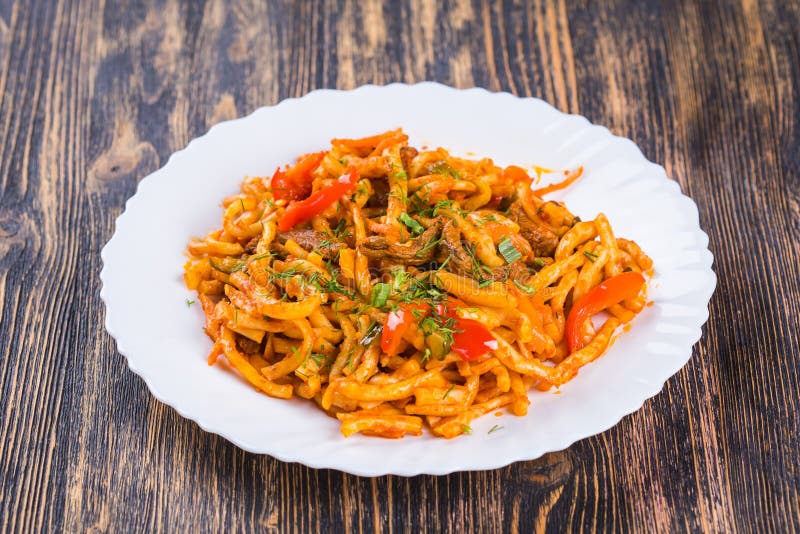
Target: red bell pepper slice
x=295, y=182
x=570, y=177
x=305, y=210
x=397, y=324
x=612, y=291
x=471, y=339
x=516, y=174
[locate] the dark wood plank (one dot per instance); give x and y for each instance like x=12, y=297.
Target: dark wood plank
x=97, y=94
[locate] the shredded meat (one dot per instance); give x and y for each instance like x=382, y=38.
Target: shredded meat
x=407, y=154
x=460, y=261
x=543, y=241
x=380, y=194
x=416, y=252
x=248, y=346
x=451, y=247
x=312, y=240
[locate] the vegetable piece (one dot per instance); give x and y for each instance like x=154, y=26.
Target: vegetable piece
x=372, y=332
x=295, y=183
x=508, y=250
x=516, y=174
x=438, y=345
x=612, y=291
x=570, y=177
x=415, y=227
x=472, y=340
x=380, y=294
x=397, y=324
x=304, y=210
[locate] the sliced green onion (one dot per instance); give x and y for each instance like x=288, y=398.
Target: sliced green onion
x=508, y=250
x=380, y=294
x=415, y=227
x=530, y=290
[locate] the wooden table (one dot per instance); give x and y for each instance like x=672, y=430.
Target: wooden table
x=96, y=95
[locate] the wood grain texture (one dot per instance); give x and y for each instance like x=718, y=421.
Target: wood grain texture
x=97, y=94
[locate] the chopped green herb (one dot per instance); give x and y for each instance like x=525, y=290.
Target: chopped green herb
x=421, y=252
x=495, y=428
x=439, y=331
x=241, y=200
x=372, y=332
x=320, y=360
x=448, y=392
x=484, y=283
x=592, y=257
x=466, y=429
x=441, y=167
x=337, y=232
x=227, y=265
x=530, y=290
x=380, y=294
x=415, y=227
x=350, y=354
x=189, y=303
x=401, y=277
x=508, y=250
x=539, y=262
x=235, y=317
x=443, y=205
x=398, y=174
x=426, y=356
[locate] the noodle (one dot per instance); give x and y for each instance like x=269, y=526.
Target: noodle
x=401, y=289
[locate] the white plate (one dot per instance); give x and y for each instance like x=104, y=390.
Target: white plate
x=164, y=343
